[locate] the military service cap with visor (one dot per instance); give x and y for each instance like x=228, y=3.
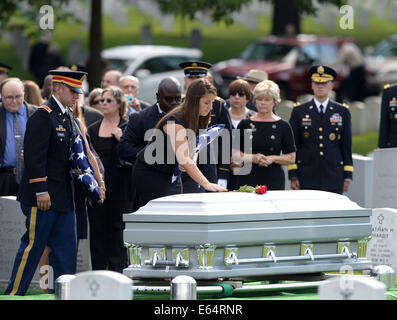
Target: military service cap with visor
x=5, y=68
x=322, y=74
x=73, y=79
x=197, y=69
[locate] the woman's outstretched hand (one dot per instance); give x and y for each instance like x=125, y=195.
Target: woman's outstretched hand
x=212, y=187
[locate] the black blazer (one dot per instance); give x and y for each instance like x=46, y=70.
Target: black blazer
x=132, y=140
x=117, y=176
x=47, y=147
x=3, y=127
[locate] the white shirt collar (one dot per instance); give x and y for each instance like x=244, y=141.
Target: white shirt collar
x=160, y=111
x=318, y=103
x=59, y=104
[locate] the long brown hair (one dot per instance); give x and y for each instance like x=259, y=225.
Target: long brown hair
x=190, y=107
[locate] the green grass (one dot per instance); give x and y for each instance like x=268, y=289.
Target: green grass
x=365, y=143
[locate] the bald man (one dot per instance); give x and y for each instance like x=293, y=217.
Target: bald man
x=13, y=104
x=130, y=86
x=111, y=78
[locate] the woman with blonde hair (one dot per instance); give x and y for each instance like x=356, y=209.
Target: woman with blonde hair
x=271, y=141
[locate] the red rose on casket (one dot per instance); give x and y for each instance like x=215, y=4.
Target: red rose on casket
x=261, y=189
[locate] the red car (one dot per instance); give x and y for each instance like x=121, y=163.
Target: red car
x=286, y=60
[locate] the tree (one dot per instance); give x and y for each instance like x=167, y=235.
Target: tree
x=284, y=11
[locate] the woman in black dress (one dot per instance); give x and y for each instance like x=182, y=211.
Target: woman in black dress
x=272, y=141
x=106, y=220
x=173, y=142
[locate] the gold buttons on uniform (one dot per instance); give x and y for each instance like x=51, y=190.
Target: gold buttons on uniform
x=320, y=129
x=321, y=145
x=320, y=137
x=321, y=153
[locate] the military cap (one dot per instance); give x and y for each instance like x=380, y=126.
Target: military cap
x=197, y=69
x=73, y=79
x=322, y=74
x=5, y=68
x=77, y=67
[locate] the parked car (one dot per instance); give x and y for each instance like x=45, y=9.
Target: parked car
x=381, y=63
x=150, y=64
x=286, y=60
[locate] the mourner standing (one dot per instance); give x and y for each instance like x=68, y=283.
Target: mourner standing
x=130, y=86
x=388, y=118
x=14, y=113
x=253, y=77
x=323, y=137
x=45, y=191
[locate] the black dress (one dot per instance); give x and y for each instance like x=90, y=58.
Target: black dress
x=268, y=138
x=154, y=167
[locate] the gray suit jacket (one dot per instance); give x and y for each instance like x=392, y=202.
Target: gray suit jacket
x=3, y=129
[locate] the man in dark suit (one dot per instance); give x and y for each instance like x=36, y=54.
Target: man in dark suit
x=133, y=139
x=215, y=170
x=45, y=191
x=12, y=109
x=388, y=118
x=323, y=137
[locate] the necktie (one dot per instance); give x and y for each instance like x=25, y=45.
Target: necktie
x=321, y=111
x=18, y=148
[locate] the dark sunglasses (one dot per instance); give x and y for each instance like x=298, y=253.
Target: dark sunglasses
x=108, y=100
x=95, y=102
x=240, y=94
x=172, y=99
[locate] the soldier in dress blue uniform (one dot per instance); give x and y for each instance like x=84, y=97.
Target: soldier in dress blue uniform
x=45, y=191
x=219, y=115
x=323, y=137
x=388, y=118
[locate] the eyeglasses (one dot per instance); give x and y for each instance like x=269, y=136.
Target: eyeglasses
x=108, y=100
x=11, y=98
x=95, y=102
x=240, y=94
x=172, y=99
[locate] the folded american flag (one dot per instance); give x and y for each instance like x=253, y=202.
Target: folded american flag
x=82, y=170
x=202, y=140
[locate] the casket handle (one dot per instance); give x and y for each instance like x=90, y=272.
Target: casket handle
x=271, y=257
x=179, y=262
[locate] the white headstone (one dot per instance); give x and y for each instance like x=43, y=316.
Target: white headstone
x=304, y=98
x=372, y=112
x=284, y=109
x=360, y=189
x=12, y=228
x=382, y=248
x=352, y=288
x=100, y=285
x=357, y=111
x=385, y=178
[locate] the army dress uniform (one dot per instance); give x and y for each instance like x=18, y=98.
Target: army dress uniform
x=323, y=140
x=324, y=146
x=47, y=149
x=388, y=118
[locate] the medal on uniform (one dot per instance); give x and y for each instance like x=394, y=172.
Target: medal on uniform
x=306, y=135
x=332, y=136
x=339, y=136
x=336, y=119
x=306, y=121
x=393, y=102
